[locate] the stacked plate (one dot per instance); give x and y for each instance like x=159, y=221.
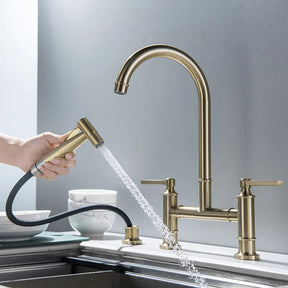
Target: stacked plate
x=11, y=232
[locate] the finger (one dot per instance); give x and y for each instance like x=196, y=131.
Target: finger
x=70, y=156
x=64, y=162
x=61, y=170
x=47, y=174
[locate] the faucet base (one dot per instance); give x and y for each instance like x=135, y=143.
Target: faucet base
x=241, y=256
x=166, y=246
x=247, y=249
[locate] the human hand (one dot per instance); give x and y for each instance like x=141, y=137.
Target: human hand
x=34, y=149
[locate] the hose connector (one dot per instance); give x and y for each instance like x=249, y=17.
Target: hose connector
x=132, y=236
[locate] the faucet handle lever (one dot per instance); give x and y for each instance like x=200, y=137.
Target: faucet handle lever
x=248, y=182
x=150, y=181
x=168, y=182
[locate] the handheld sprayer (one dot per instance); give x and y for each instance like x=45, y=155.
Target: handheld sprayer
x=78, y=136
x=82, y=132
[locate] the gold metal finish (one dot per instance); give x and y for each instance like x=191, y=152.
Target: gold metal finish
x=121, y=87
x=229, y=215
x=247, y=183
x=171, y=211
x=132, y=236
x=169, y=202
x=246, y=219
x=84, y=131
x=87, y=128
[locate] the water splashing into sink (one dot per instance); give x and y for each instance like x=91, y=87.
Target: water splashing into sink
x=156, y=220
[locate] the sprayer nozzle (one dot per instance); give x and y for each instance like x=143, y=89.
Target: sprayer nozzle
x=91, y=133
x=120, y=87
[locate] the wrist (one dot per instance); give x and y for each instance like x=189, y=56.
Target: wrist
x=10, y=150
x=16, y=152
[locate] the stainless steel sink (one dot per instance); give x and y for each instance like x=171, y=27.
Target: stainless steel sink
x=105, y=279
x=84, y=271
x=112, y=279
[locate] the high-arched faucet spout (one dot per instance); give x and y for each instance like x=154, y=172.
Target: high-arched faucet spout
x=121, y=87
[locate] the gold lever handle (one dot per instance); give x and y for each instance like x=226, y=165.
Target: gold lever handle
x=248, y=182
x=148, y=181
x=169, y=182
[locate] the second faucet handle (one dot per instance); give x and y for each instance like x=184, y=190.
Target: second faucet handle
x=246, y=183
x=246, y=218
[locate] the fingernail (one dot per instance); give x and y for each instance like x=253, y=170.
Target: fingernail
x=68, y=156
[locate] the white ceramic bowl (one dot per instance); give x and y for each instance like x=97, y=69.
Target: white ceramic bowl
x=94, y=223
x=10, y=232
x=95, y=196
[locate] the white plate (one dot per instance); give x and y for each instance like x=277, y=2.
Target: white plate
x=10, y=232
x=25, y=215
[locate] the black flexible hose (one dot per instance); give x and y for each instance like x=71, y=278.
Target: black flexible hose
x=15, y=220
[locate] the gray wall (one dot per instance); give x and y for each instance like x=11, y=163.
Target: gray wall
x=153, y=131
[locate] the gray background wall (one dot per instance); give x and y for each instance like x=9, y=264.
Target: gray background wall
x=153, y=131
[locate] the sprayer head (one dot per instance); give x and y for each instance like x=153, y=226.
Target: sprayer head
x=87, y=128
x=79, y=135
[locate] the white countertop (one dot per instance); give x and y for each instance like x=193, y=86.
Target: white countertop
x=270, y=265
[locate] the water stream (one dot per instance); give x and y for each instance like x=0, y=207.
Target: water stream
x=184, y=261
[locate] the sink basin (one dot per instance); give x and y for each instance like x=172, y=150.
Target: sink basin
x=105, y=279
x=97, y=272
x=112, y=279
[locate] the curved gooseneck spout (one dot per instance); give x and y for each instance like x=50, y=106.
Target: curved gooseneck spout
x=121, y=87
